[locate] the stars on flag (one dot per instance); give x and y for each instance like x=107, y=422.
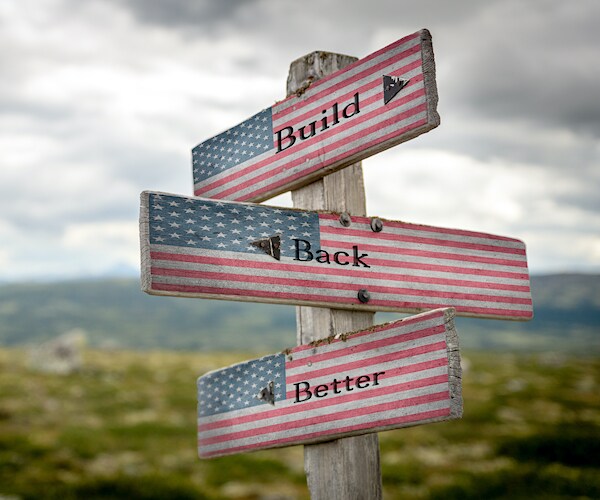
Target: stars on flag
x=238, y=144
x=238, y=386
x=216, y=225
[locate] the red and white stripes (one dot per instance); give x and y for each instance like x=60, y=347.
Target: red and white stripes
x=413, y=386
x=411, y=268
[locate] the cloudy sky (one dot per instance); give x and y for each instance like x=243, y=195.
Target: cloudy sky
x=102, y=99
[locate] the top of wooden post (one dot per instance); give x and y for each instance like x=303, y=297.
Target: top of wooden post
x=342, y=190
x=312, y=67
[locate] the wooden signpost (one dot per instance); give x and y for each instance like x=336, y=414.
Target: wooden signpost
x=197, y=247
x=395, y=375
x=332, y=395
x=370, y=105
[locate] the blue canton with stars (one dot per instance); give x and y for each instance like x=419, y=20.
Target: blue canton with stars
x=217, y=225
x=238, y=386
x=237, y=145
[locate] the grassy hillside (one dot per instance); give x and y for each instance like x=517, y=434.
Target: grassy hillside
x=124, y=427
x=117, y=313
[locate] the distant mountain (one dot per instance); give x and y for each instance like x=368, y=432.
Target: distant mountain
x=116, y=313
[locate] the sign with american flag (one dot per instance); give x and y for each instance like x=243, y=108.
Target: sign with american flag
x=377, y=102
x=197, y=247
x=395, y=375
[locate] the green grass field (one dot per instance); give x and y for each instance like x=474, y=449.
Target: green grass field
x=124, y=427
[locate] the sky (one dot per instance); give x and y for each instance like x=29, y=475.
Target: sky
x=102, y=99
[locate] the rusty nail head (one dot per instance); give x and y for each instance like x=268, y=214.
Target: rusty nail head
x=345, y=219
x=376, y=224
x=266, y=394
x=364, y=296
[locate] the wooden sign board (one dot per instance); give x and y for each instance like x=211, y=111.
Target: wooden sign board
x=390, y=376
x=373, y=104
x=194, y=247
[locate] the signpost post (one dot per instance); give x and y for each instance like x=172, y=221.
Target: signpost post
x=346, y=467
x=349, y=466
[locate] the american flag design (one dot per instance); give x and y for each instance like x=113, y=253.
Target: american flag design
x=197, y=247
x=377, y=102
x=395, y=375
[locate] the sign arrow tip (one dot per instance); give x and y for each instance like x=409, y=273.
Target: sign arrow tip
x=271, y=246
x=391, y=86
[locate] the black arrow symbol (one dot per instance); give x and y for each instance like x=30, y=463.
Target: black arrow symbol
x=391, y=86
x=271, y=246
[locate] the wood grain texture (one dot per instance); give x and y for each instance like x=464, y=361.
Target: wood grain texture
x=145, y=265
x=347, y=468
x=429, y=78
x=454, y=367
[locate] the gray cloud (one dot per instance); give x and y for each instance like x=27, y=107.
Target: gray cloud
x=487, y=139
x=539, y=68
x=508, y=60
x=340, y=18
x=584, y=197
x=201, y=14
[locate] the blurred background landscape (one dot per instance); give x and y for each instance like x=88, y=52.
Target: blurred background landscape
x=108, y=410
x=115, y=314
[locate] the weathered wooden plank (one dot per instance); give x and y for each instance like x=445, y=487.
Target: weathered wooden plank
x=366, y=107
x=198, y=247
x=385, y=377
